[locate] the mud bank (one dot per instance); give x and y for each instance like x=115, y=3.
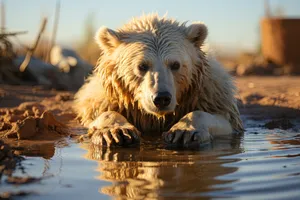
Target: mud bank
x=29, y=124
x=33, y=119
x=33, y=113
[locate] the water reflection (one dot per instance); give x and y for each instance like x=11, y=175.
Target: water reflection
x=268, y=169
x=46, y=150
x=280, y=141
x=151, y=172
x=37, y=148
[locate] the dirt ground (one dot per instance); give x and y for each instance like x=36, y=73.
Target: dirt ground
x=269, y=97
x=29, y=112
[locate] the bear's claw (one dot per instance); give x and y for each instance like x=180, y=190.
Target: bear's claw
x=115, y=137
x=186, y=138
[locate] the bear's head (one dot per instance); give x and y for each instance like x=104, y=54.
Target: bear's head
x=151, y=62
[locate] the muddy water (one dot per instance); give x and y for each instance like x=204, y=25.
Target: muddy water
x=262, y=164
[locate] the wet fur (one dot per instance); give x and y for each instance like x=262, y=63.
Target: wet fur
x=209, y=88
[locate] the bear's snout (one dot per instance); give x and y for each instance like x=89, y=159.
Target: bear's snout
x=162, y=99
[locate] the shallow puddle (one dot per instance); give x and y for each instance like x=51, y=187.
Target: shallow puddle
x=262, y=164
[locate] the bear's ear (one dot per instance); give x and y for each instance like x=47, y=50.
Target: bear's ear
x=107, y=39
x=197, y=33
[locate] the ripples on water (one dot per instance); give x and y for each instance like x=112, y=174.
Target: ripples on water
x=263, y=164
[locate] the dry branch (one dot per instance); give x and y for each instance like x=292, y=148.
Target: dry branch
x=31, y=50
x=8, y=34
x=55, y=27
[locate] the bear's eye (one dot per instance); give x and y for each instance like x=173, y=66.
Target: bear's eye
x=144, y=67
x=174, y=66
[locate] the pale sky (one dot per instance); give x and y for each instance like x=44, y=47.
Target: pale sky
x=231, y=23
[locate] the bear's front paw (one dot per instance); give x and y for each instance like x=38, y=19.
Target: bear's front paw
x=187, y=137
x=115, y=136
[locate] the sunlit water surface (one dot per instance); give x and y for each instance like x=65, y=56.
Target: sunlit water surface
x=262, y=164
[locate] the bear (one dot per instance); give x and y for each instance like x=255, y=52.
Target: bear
x=154, y=78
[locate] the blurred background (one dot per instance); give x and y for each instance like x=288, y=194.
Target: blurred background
x=47, y=50
x=43, y=42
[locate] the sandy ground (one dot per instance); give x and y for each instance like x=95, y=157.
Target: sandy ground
x=275, y=91
x=269, y=97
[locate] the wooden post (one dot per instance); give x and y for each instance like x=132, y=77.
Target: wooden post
x=267, y=9
x=2, y=17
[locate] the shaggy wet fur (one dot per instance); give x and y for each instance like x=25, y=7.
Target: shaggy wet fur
x=207, y=88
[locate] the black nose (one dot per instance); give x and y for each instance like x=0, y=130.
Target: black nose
x=162, y=99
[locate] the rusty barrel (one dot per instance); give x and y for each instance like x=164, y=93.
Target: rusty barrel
x=280, y=42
